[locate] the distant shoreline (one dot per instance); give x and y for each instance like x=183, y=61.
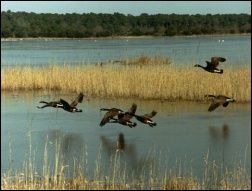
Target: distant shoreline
x=120, y=37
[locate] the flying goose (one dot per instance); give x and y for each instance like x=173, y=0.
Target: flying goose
x=124, y=118
x=146, y=118
x=64, y=105
x=219, y=100
x=110, y=114
x=72, y=107
x=211, y=66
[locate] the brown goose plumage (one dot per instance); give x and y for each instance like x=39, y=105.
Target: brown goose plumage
x=129, y=114
x=211, y=66
x=146, y=118
x=219, y=100
x=65, y=105
x=109, y=115
x=72, y=107
x=124, y=118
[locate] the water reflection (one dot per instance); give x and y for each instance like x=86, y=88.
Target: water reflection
x=129, y=151
x=67, y=143
x=217, y=133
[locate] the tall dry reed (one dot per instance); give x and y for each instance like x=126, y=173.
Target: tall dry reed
x=155, y=175
x=145, y=81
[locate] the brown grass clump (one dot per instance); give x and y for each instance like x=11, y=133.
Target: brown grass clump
x=145, y=61
x=144, y=81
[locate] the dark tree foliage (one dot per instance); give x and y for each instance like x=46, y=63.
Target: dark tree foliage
x=23, y=24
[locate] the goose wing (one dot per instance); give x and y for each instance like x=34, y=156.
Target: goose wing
x=64, y=103
x=77, y=100
x=133, y=108
x=214, y=105
x=110, y=114
x=128, y=115
x=105, y=119
x=215, y=61
x=225, y=104
x=150, y=115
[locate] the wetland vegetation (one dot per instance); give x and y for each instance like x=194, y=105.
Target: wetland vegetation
x=153, y=175
x=143, y=78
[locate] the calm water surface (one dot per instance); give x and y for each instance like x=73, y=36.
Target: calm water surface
x=185, y=131
x=182, y=50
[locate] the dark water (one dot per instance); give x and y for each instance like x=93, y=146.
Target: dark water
x=185, y=131
x=182, y=50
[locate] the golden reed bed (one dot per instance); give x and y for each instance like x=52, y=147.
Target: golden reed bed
x=145, y=81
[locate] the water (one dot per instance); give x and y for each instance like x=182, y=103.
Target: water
x=185, y=131
x=183, y=50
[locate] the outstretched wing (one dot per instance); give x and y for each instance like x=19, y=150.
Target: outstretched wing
x=214, y=105
x=215, y=61
x=150, y=115
x=128, y=115
x=65, y=104
x=106, y=118
x=133, y=108
x=77, y=100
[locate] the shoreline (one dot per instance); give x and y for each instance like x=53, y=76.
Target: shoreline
x=120, y=37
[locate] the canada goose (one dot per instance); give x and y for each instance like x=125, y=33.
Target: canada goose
x=211, y=66
x=219, y=100
x=55, y=104
x=123, y=121
x=110, y=114
x=129, y=114
x=124, y=118
x=146, y=118
x=72, y=107
x=64, y=105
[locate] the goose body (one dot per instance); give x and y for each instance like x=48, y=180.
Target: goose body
x=212, y=66
x=109, y=115
x=123, y=121
x=219, y=100
x=124, y=118
x=146, y=118
x=55, y=104
x=72, y=107
x=64, y=105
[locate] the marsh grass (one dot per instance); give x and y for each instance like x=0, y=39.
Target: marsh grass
x=115, y=176
x=144, y=78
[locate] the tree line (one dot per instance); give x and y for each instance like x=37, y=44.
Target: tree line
x=24, y=25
